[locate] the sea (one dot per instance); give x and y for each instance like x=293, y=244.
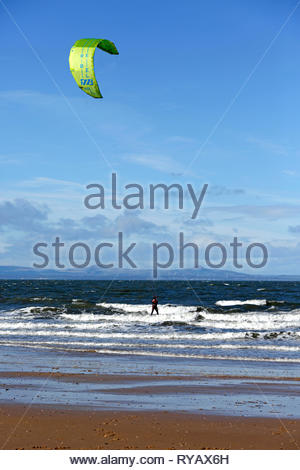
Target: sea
x=238, y=321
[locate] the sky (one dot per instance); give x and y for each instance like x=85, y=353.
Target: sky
x=202, y=92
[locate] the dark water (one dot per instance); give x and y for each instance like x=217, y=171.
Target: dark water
x=246, y=321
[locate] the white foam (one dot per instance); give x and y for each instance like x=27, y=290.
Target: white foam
x=258, y=321
x=158, y=345
x=130, y=329
x=200, y=356
x=32, y=312
x=42, y=298
x=147, y=336
x=146, y=308
x=232, y=303
x=133, y=352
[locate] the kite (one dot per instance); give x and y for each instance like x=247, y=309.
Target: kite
x=81, y=61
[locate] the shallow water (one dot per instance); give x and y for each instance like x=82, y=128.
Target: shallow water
x=147, y=383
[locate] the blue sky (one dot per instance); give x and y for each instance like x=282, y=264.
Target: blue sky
x=182, y=66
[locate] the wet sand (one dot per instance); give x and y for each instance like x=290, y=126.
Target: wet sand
x=235, y=395
x=44, y=427
x=115, y=378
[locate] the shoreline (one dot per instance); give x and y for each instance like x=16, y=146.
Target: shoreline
x=47, y=427
x=218, y=395
x=115, y=378
x=118, y=383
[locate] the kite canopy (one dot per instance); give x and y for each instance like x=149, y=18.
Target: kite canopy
x=81, y=61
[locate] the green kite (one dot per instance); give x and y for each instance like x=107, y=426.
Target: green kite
x=81, y=61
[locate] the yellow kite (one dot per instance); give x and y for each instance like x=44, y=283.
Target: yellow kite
x=81, y=61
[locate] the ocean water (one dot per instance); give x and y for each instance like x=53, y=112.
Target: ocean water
x=240, y=321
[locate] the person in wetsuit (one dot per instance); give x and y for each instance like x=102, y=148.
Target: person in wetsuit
x=154, y=305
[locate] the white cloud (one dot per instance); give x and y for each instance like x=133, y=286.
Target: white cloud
x=7, y=159
x=270, y=212
x=41, y=181
x=31, y=97
x=291, y=173
x=181, y=139
x=269, y=146
x=157, y=162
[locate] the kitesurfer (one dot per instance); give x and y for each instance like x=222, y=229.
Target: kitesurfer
x=154, y=305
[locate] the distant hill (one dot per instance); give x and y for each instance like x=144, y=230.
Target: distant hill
x=94, y=273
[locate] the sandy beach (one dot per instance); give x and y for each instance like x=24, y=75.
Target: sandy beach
x=63, y=428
